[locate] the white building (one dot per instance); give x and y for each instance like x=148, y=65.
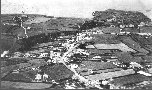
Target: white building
x=43, y=55
x=4, y=53
x=38, y=77
x=144, y=73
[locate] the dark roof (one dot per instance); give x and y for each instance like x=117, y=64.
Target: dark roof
x=105, y=39
x=98, y=51
x=20, y=32
x=97, y=65
x=58, y=72
x=142, y=40
x=146, y=29
x=7, y=69
x=111, y=30
x=99, y=71
x=17, y=77
x=132, y=44
x=131, y=30
x=129, y=79
x=127, y=58
x=147, y=58
x=104, y=36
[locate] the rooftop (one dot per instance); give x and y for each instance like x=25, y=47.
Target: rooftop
x=111, y=30
x=147, y=29
x=120, y=46
x=135, y=78
x=94, y=65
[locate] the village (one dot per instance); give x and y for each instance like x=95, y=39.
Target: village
x=100, y=57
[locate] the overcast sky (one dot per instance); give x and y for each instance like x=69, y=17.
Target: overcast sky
x=73, y=8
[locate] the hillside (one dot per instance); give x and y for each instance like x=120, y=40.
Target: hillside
x=110, y=51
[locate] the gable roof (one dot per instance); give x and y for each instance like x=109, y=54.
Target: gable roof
x=97, y=65
x=129, y=79
x=146, y=29
x=131, y=30
x=111, y=30
x=120, y=46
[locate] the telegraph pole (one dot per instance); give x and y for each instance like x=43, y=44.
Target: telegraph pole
x=25, y=30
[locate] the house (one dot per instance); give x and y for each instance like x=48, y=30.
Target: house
x=81, y=51
x=17, y=77
x=128, y=41
x=108, y=75
x=130, y=30
x=112, y=60
x=142, y=24
x=4, y=53
x=20, y=32
x=90, y=47
x=94, y=57
x=131, y=25
x=150, y=70
x=122, y=26
x=97, y=65
x=58, y=72
x=87, y=72
x=147, y=59
x=111, y=30
x=146, y=29
x=120, y=46
x=105, y=39
x=128, y=79
x=44, y=55
x=94, y=50
x=127, y=58
x=111, y=19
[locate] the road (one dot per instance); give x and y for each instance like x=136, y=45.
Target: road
x=81, y=78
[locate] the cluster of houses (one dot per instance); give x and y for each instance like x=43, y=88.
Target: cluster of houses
x=100, y=65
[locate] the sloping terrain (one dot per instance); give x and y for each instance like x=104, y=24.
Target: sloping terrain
x=62, y=52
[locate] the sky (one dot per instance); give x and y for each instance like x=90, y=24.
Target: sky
x=73, y=8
